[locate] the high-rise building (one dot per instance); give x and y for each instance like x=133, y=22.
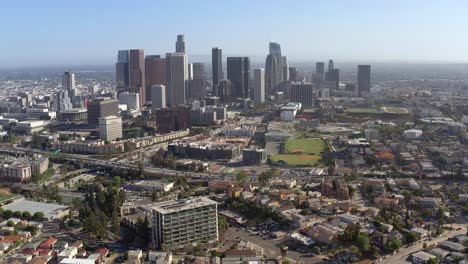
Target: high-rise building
x=101, y=108
x=173, y=119
x=238, y=72
x=132, y=100
x=63, y=101
x=275, y=50
x=333, y=75
x=293, y=74
x=176, y=77
x=180, y=44
x=68, y=81
x=122, y=70
x=259, y=86
x=364, y=78
x=184, y=222
x=137, y=74
x=319, y=71
x=155, y=73
x=302, y=93
x=285, y=69
x=158, y=96
x=197, y=89
x=217, y=66
x=330, y=65
x=110, y=128
x=224, y=91
x=271, y=75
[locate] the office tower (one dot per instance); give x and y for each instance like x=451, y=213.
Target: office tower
x=319, y=71
x=330, y=65
x=293, y=74
x=259, y=86
x=110, y=128
x=158, y=96
x=271, y=75
x=197, y=89
x=155, y=73
x=217, y=66
x=173, y=119
x=122, y=70
x=364, y=78
x=275, y=50
x=137, y=74
x=176, y=78
x=182, y=222
x=302, y=93
x=333, y=75
x=285, y=70
x=180, y=44
x=132, y=100
x=101, y=108
x=238, y=72
x=63, y=101
x=224, y=91
x=123, y=56
x=68, y=81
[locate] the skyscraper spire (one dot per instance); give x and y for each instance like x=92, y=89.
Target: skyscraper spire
x=180, y=44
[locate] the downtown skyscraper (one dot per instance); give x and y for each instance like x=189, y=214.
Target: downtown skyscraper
x=319, y=71
x=274, y=72
x=364, y=78
x=217, y=66
x=155, y=73
x=137, y=74
x=176, y=77
x=259, y=86
x=238, y=73
x=180, y=44
x=122, y=70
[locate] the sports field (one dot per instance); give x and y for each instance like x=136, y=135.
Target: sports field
x=362, y=111
x=395, y=110
x=305, y=146
x=296, y=160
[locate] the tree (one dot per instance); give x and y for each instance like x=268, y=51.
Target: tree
x=392, y=245
x=7, y=214
x=316, y=250
x=26, y=215
x=411, y=237
x=38, y=216
x=433, y=261
x=115, y=225
x=362, y=242
x=241, y=176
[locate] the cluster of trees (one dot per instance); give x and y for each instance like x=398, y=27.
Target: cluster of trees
x=253, y=210
x=47, y=193
x=140, y=234
x=38, y=142
x=101, y=209
x=267, y=176
x=7, y=214
x=360, y=240
x=38, y=178
x=162, y=159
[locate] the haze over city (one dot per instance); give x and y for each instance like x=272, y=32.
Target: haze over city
x=89, y=32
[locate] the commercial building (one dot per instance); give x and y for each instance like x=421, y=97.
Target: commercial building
x=122, y=70
x=224, y=91
x=137, y=74
x=158, y=96
x=197, y=84
x=259, y=86
x=29, y=127
x=289, y=111
x=364, y=78
x=180, y=44
x=217, y=65
x=303, y=93
x=333, y=75
x=101, y=108
x=205, y=150
x=51, y=211
x=74, y=115
x=238, y=73
x=412, y=134
x=272, y=78
x=293, y=74
x=88, y=147
x=421, y=257
x=19, y=169
x=176, y=77
x=173, y=119
x=181, y=222
x=155, y=73
x=110, y=128
x=319, y=71
x=132, y=100
x=254, y=156
x=63, y=101
x=337, y=188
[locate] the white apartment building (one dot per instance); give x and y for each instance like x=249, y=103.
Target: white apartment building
x=110, y=127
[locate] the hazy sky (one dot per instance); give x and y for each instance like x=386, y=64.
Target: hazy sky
x=46, y=32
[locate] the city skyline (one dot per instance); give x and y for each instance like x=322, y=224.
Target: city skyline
x=365, y=31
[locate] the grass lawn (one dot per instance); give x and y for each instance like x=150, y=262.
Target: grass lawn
x=395, y=110
x=305, y=146
x=363, y=111
x=297, y=160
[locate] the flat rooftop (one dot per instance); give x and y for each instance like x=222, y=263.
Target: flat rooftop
x=50, y=210
x=182, y=205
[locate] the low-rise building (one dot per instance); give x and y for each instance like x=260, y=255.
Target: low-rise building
x=421, y=257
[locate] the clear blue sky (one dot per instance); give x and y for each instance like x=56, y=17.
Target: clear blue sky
x=62, y=32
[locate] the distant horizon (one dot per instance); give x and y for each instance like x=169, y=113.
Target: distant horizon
x=91, y=32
